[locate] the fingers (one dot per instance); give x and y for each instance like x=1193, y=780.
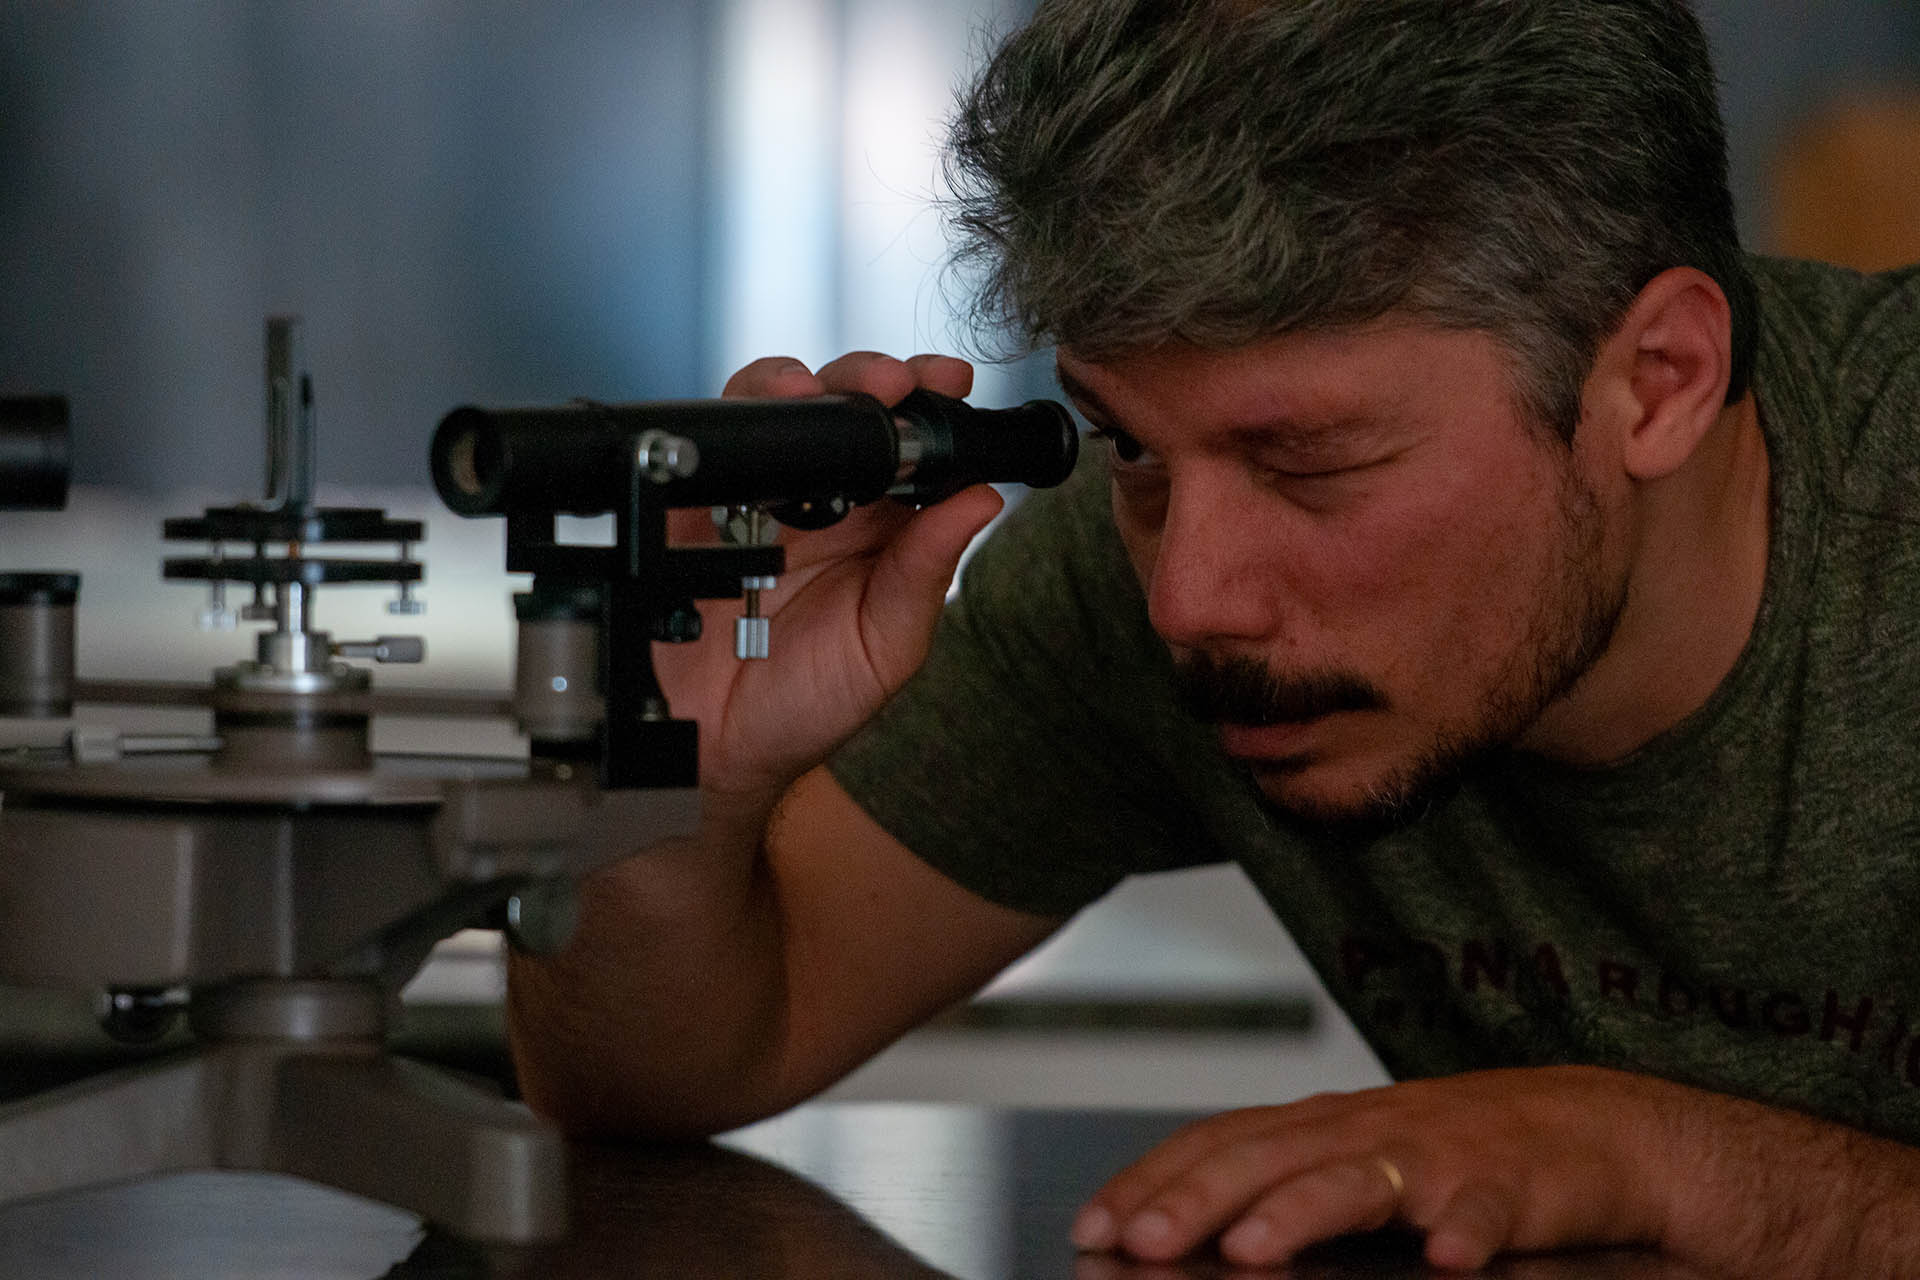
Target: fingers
x=1266, y=1201
x=1185, y=1189
x=1476, y=1222
x=881, y=376
x=1480, y=1163
x=945, y=374
x=889, y=380
x=774, y=376
x=1129, y=1191
x=1269, y=1181
x=1331, y=1200
x=1269, y=1197
x=908, y=586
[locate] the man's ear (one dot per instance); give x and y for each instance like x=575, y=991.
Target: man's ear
x=1663, y=374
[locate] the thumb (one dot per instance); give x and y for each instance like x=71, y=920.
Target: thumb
x=910, y=578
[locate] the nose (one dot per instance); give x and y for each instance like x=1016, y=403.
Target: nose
x=1212, y=576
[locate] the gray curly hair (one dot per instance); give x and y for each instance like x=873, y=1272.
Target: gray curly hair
x=1131, y=172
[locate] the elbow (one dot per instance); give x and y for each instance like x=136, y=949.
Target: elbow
x=590, y=1082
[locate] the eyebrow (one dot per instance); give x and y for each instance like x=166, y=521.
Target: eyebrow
x=1295, y=433
x=1080, y=393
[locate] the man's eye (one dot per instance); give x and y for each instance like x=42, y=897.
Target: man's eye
x=1125, y=448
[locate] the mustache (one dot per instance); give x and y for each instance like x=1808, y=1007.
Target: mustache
x=1242, y=691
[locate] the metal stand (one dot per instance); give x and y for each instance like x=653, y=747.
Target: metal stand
x=291, y=908
x=290, y=1078
x=288, y=882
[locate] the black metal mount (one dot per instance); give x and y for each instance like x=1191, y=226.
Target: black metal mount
x=647, y=591
x=803, y=462
x=292, y=528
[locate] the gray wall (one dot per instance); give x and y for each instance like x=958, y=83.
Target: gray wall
x=486, y=200
x=1780, y=59
x=492, y=201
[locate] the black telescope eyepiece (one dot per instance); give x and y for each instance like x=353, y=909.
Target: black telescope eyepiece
x=822, y=453
x=947, y=444
x=35, y=454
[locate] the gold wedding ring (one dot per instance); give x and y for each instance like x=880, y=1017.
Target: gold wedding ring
x=1392, y=1173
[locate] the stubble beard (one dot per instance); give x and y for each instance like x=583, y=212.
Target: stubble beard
x=1572, y=626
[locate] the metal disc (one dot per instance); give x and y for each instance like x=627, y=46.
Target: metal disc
x=194, y=780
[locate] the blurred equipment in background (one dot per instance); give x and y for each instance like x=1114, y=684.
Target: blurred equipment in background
x=35, y=456
x=1847, y=183
x=36, y=608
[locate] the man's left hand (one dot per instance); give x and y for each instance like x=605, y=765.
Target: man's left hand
x=1521, y=1160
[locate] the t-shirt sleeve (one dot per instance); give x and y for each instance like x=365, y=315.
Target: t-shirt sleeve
x=1033, y=758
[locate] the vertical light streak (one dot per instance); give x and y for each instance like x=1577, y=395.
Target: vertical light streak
x=776, y=183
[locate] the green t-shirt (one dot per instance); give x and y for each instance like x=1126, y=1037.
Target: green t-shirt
x=1735, y=906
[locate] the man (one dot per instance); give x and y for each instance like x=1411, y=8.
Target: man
x=1513, y=578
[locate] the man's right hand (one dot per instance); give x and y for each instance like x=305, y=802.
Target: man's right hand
x=853, y=615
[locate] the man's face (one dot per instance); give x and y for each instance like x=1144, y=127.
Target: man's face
x=1369, y=567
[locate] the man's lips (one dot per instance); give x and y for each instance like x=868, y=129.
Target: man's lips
x=1288, y=739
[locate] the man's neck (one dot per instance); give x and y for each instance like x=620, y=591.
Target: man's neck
x=1699, y=567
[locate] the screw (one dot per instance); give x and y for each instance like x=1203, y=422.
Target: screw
x=680, y=626
x=665, y=457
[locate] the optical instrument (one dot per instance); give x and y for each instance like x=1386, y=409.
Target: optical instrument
x=275, y=882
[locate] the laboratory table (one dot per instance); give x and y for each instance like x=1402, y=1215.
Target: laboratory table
x=826, y=1192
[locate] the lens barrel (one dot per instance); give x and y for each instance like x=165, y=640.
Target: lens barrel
x=580, y=458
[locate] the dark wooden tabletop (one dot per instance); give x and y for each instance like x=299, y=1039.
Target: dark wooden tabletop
x=846, y=1192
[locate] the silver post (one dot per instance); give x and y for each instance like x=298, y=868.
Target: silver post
x=751, y=632
x=289, y=418
x=292, y=608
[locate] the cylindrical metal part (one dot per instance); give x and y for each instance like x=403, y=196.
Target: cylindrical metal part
x=556, y=681
x=36, y=643
x=579, y=458
x=311, y=741
x=35, y=455
x=139, y=1015
x=752, y=638
x=825, y=450
x=270, y=721
x=383, y=649
x=947, y=444
x=290, y=436
x=542, y=917
x=291, y=607
x=294, y=652
x=301, y=1010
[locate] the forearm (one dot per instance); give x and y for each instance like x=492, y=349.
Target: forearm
x=664, y=1014
x=1767, y=1192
